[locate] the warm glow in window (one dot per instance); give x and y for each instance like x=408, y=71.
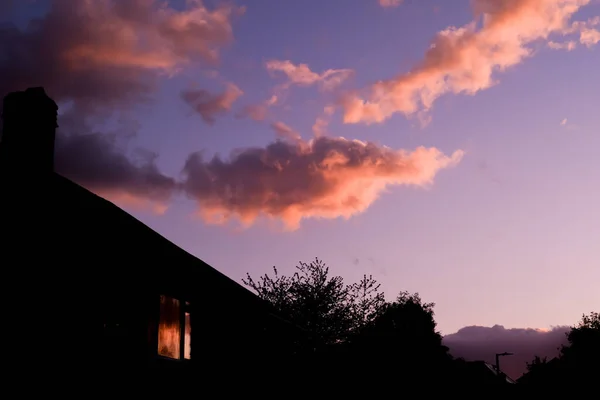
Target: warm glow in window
x=187, y=348
x=173, y=321
x=169, y=327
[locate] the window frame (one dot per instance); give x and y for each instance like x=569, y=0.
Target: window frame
x=184, y=308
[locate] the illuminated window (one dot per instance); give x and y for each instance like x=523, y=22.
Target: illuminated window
x=174, y=329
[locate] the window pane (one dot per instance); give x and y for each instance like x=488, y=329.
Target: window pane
x=169, y=327
x=187, y=351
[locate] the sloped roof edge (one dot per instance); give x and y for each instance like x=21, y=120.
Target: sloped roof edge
x=198, y=263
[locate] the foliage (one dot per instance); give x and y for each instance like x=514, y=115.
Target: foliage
x=577, y=362
x=584, y=343
x=325, y=306
x=353, y=331
x=537, y=363
x=404, y=328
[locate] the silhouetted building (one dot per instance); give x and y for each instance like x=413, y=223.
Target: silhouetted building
x=482, y=373
x=96, y=286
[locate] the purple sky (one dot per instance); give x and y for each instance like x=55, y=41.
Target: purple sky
x=496, y=220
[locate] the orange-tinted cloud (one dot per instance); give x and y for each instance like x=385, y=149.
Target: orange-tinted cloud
x=319, y=128
x=148, y=34
x=466, y=59
x=78, y=56
x=209, y=105
x=390, y=3
x=587, y=34
x=101, y=57
x=298, y=75
x=327, y=177
x=259, y=112
x=301, y=75
x=568, y=46
x=285, y=132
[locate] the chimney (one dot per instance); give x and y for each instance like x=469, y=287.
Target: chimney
x=29, y=129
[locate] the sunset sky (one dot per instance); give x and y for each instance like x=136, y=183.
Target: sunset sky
x=448, y=147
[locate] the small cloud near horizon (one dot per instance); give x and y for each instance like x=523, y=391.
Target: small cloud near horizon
x=481, y=343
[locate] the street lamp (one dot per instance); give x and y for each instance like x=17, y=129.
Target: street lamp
x=498, y=355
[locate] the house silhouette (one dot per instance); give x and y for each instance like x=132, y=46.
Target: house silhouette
x=93, y=286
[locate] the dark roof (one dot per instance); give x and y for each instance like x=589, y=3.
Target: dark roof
x=82, y=235
x=125, y=227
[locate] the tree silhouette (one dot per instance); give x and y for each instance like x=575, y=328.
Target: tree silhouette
x=404, y=336
x=577, y=363
x=355, y=334
x=330, y=310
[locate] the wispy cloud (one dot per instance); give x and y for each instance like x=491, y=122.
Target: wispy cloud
x=569, y=46
x=322, y=122
x=390, y=3
x=565, y=123
x=209, y=105
x=301, y=75
x=588, y=35
x=285, y=132
x=297, y=75
x=260, y=111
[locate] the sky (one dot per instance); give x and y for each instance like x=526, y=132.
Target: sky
x=444, y=147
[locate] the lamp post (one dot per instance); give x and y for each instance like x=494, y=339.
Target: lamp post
x=498, y=355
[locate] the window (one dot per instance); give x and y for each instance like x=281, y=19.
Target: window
x=174, y=329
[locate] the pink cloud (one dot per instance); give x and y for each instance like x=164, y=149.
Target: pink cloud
x=260, y=111
x=464, y=60
x=101, y=57
x=285, y=132
x=589, y=36
x=291, y=180
x=76, y=55
x=390, y=3
x=322, y=122
x=301, y=75
x=569, y=46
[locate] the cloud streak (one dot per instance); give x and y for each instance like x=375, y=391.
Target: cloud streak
x=465, y=60
x=475, y=343
x=301, y=75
